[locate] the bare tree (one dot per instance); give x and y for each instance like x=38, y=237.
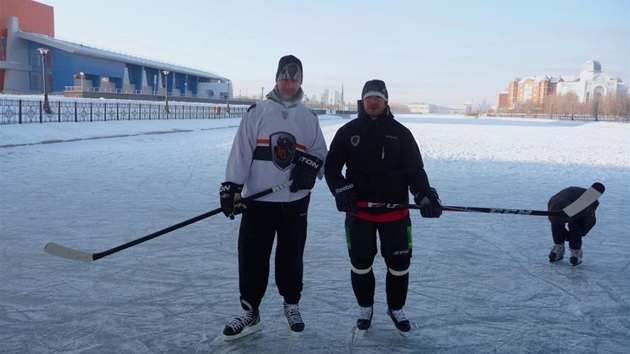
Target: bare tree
x=570, y=105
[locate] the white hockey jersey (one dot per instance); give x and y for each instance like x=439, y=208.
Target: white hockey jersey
x=269, y=138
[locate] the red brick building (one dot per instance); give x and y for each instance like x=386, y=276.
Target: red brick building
x=531, y=88
x=34, y=17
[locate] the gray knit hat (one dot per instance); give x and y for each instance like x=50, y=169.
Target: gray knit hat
x=375, y=88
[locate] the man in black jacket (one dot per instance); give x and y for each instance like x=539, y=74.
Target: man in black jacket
x=570, y=229
x=383, y=164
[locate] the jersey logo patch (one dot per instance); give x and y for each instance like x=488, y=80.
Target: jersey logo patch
x=354, y=140
x=285, y=115
x=282, y=149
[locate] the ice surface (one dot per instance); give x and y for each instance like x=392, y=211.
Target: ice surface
x=479, y=283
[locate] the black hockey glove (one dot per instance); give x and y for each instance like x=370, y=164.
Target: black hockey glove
x=430, y=204
x=346, y=198
x=304, y=172
x=231, y=202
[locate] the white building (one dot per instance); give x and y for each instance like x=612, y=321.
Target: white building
x=592, y=83
x=426, y=108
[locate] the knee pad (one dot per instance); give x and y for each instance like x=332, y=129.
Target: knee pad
x=398, y=266
x=361, y=266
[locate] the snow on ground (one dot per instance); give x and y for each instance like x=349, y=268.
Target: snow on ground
x=480, y=283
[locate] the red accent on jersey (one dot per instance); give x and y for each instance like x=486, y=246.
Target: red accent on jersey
x=385, y=217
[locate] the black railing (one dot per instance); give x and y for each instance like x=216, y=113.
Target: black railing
x=557, y=116
x=24, y=111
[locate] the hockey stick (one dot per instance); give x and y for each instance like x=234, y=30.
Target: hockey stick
x=586, y=199
x=77, y=255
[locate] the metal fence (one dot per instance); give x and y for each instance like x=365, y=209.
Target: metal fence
x=580, y=117
x=24, y=111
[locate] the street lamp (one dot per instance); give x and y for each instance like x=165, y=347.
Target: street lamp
x=166, y=72
x=227, y=108
x=46, y=105
x=82, y=74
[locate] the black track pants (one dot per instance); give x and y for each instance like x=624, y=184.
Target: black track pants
x=260, y=223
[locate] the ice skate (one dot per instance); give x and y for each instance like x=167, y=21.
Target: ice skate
x=247, y=323
x=576, y=257
x=294, y=318
x=557, y=253
x=365, y=317
x=400, y=321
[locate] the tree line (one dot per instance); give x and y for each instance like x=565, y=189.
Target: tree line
x=569, y=104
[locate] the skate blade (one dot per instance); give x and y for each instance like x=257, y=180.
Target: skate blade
x=245, y=332
x=404, y=334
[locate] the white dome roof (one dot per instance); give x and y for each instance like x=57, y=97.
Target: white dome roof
x=592, y=66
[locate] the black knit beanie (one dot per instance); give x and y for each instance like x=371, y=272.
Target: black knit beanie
x=289, y=67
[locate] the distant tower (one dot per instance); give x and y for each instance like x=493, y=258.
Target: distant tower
x=468, y=107
x=343, y=103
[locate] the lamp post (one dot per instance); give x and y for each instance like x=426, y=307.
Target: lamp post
x=166, y=72
x=46, y=104
x=227, y=108
x=82, y=74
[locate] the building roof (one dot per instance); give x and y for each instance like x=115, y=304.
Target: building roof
x=90, y=51
x=592, y=66
x=540, y=78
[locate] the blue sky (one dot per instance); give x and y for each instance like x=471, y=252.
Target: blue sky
x=440, y=52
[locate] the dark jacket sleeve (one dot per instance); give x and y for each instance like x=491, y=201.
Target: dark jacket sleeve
x=335, y=160
x=417, y=178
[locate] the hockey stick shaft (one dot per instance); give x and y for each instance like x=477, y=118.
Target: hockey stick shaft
x=463, y=209
x=77, y=255
x=586, y=199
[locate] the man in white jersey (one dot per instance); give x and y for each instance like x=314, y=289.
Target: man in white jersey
x=278, y=139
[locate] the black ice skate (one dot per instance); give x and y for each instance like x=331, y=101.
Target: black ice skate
x=365, y=318
x=247, y=323
x=294, y=318
x=400, y=321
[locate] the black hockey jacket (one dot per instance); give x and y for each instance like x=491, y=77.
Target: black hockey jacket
x=382, y=160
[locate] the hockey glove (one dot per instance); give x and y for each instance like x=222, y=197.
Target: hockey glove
x=304, y=172
x=430, y=204
x=346, y=198
x=230, y=196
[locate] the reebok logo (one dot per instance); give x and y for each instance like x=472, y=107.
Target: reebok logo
x=344, y=188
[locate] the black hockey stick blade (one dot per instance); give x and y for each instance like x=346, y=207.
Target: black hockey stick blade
x=77, y=255
x=583, y=202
